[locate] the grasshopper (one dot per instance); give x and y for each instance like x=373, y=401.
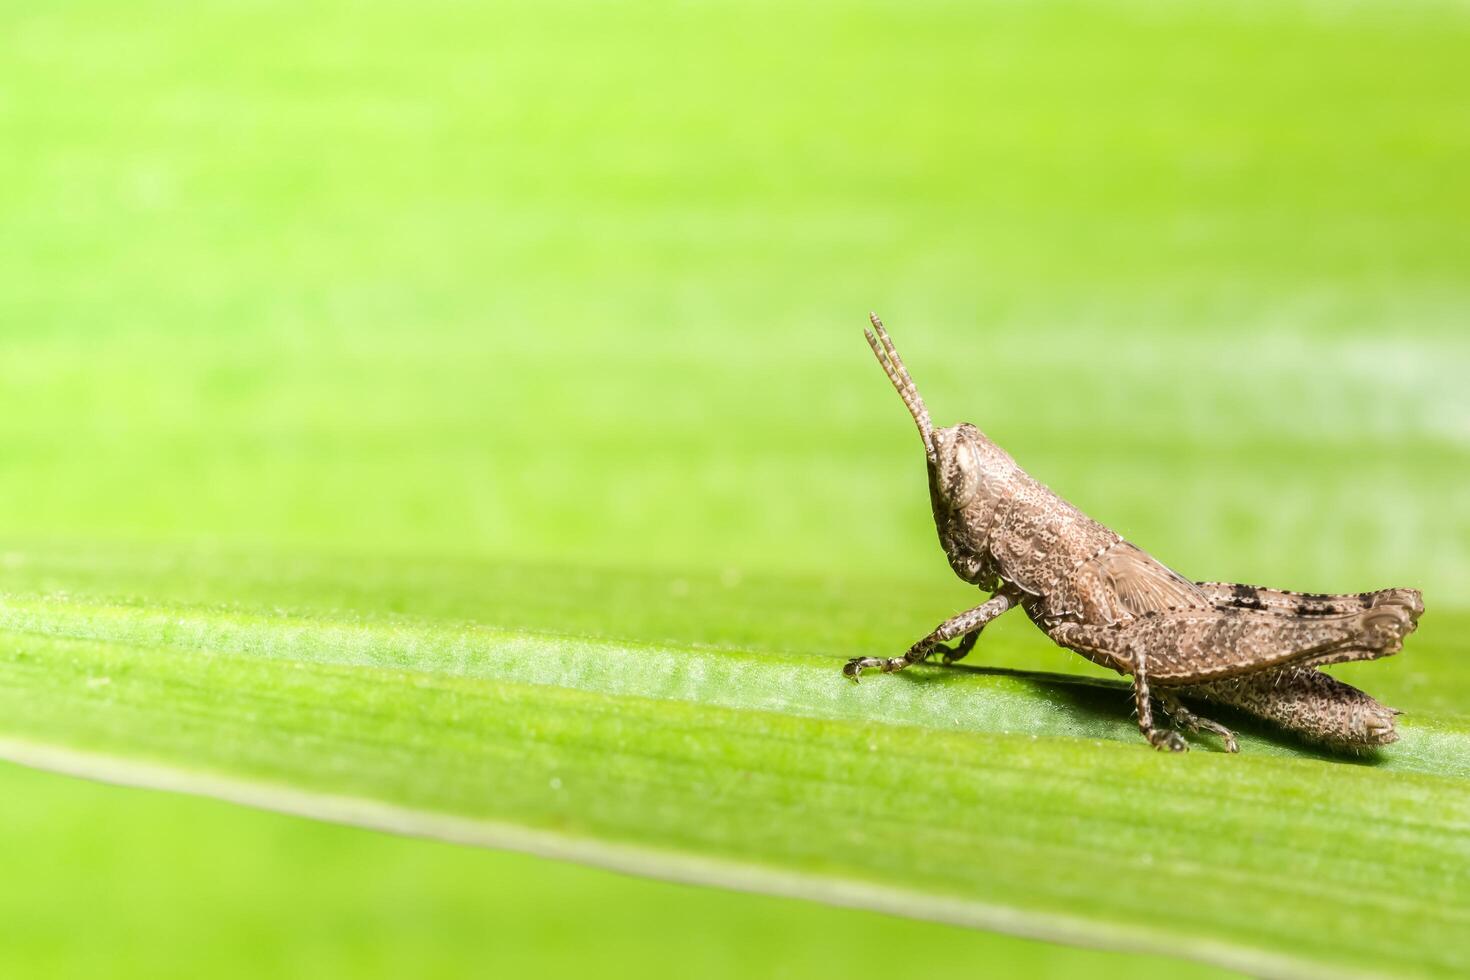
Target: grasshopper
x=1095, y=593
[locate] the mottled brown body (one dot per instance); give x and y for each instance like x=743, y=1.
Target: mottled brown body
x=1093, y=592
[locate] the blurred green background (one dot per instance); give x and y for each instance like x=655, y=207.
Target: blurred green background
x=569, y=284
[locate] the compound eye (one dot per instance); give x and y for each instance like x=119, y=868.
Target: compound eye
x=964, y=474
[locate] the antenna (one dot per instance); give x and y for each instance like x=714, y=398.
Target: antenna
x=892, y=364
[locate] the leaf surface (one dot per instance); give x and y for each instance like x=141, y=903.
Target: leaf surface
x=1012, y=800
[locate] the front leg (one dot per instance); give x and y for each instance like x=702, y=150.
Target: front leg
x=957, y=652
x=971, y=621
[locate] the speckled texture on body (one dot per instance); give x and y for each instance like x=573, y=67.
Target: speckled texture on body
x=1091, y=591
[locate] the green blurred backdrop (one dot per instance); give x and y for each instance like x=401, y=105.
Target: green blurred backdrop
x=573, y=283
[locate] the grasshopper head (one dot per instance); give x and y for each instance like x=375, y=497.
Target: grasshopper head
x=954, y=461
x=965, y=469
x=954, y=467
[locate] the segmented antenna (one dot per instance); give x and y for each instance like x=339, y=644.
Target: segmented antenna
x=887, y=356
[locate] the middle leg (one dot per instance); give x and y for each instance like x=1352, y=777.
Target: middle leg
x=1191, y=722
x=1122, y=650
x=1158, y=737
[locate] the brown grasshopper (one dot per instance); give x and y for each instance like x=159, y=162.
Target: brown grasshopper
x=1093, y=592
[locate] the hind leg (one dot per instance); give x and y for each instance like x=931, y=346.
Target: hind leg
x=1228, y=595
x=1196, y=646
x=1188, y=648
x=1309, y=703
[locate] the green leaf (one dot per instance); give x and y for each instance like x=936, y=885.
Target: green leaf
x=1018, y=801
x=541, y=322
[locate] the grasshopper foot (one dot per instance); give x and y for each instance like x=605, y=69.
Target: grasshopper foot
x=1166, y=739
x=1193, y=723
x=854, y=668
